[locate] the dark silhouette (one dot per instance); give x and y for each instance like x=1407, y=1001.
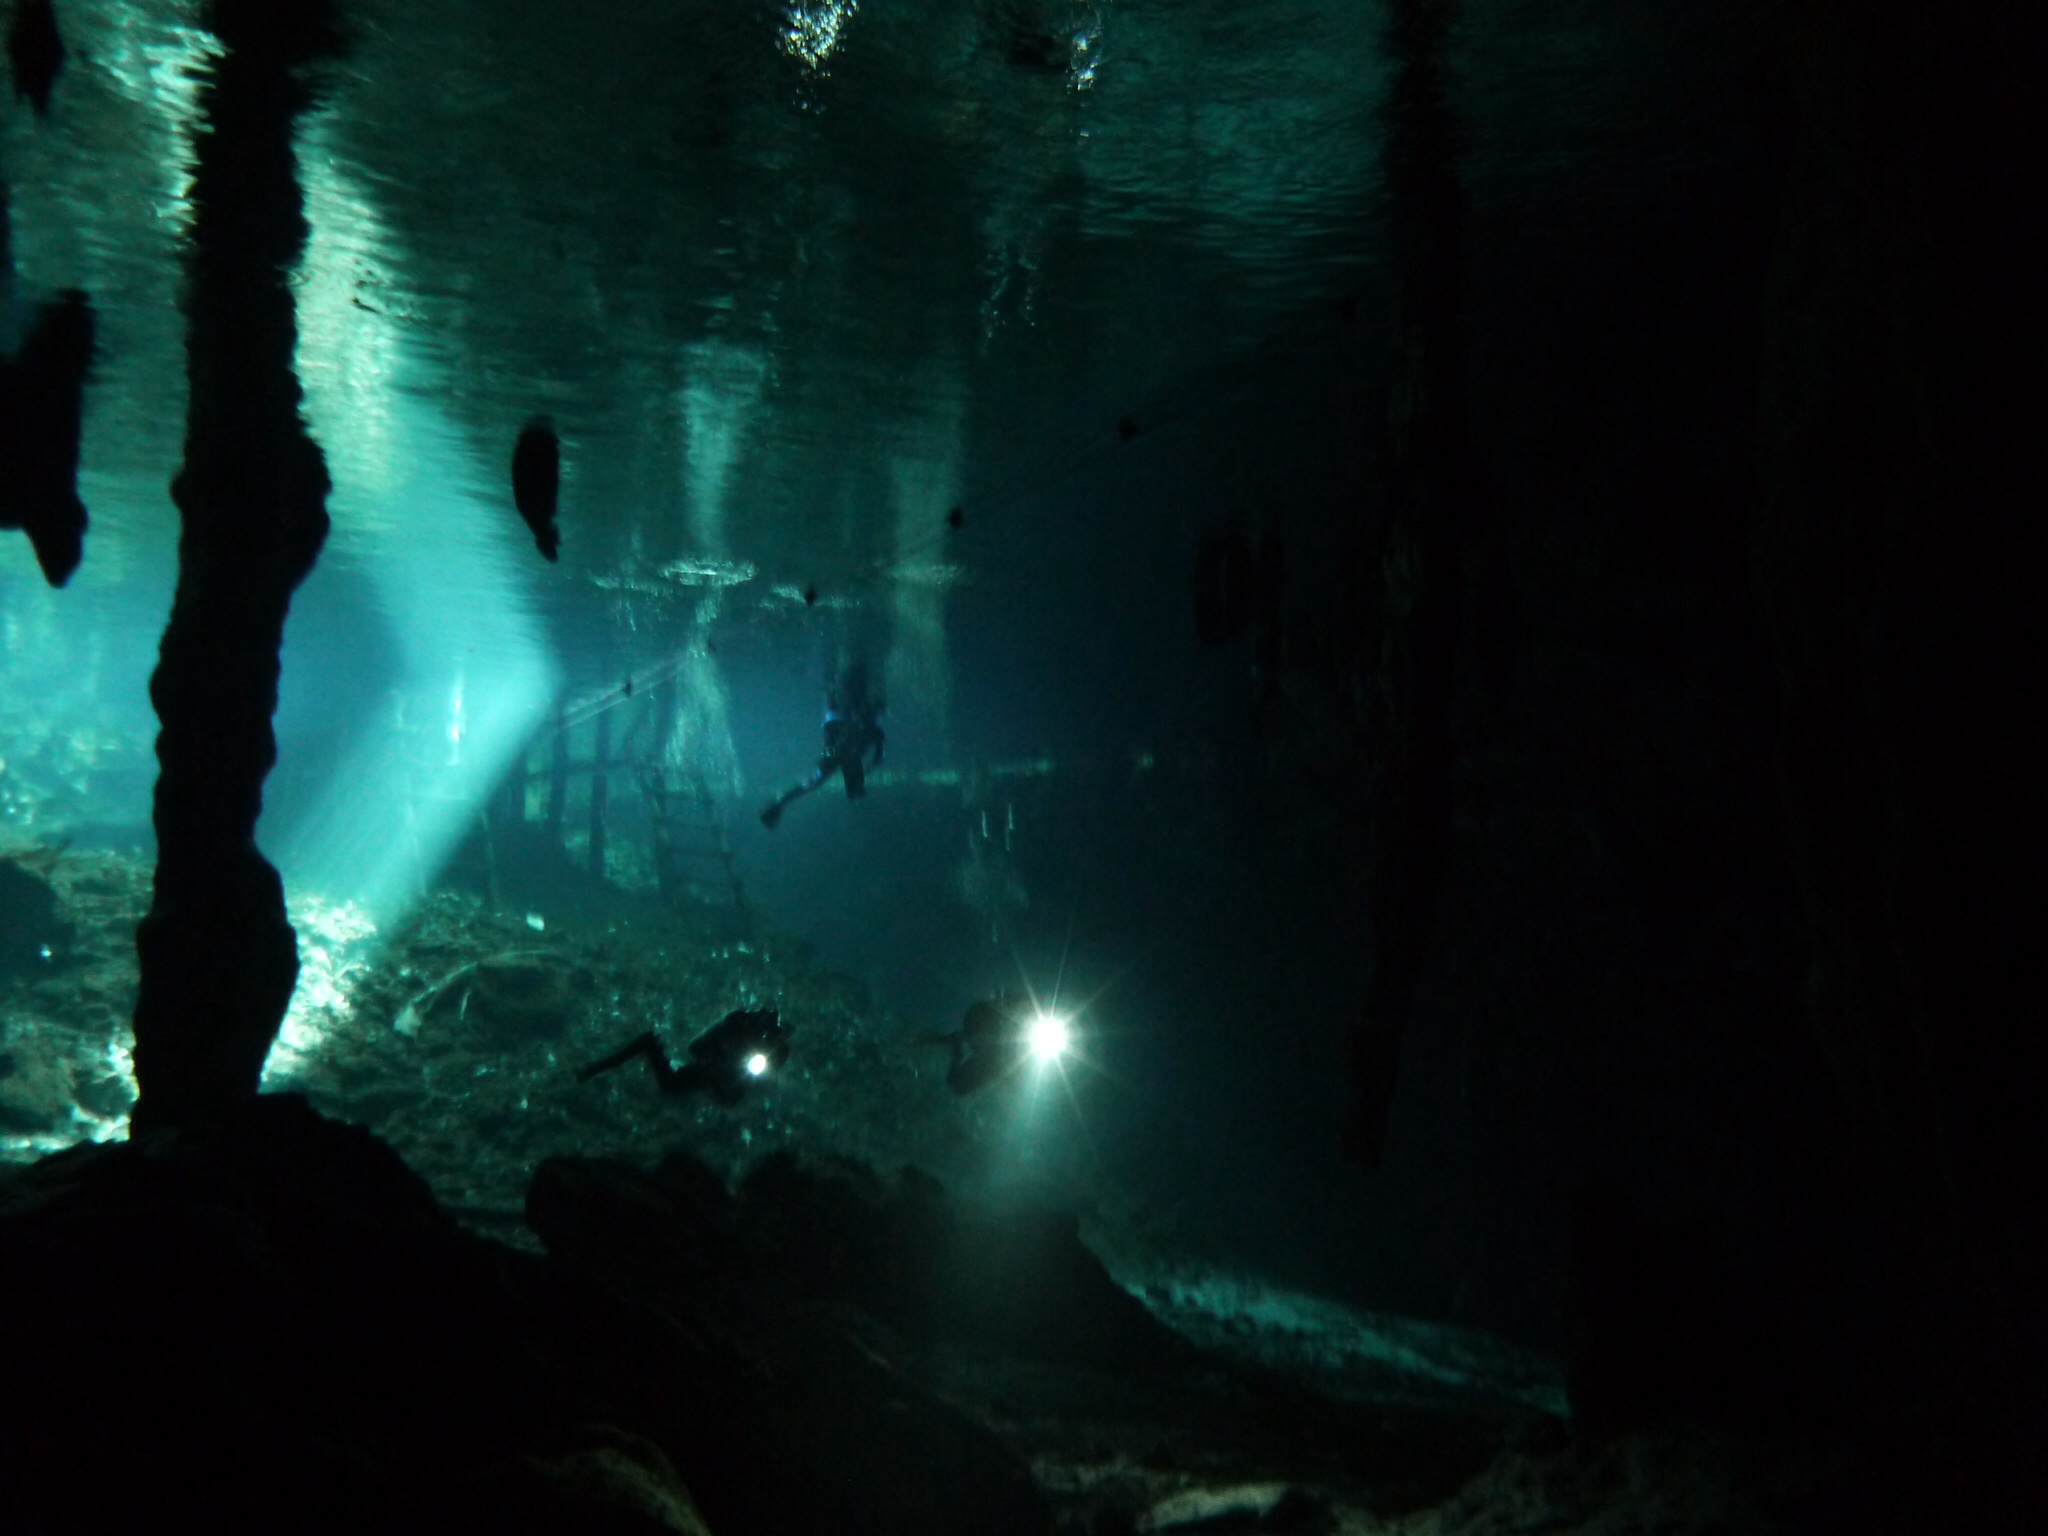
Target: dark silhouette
x=1026, y=36
x=1430, y=486
x=218, y=955
x=993, y=1040
x=537, y=482
x=36, y=50
x=34, y=933
x=725, y=1061
x=42, y=397
x=853, y=741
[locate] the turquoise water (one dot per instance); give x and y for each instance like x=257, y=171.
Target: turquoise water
x=796, y=285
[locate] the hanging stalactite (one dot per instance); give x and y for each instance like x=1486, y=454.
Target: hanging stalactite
x=219, y=958
x=1430, y=503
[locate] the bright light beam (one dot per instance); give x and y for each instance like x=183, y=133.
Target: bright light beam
x=475, y=675
x=471, y=661
x=1049, y=1037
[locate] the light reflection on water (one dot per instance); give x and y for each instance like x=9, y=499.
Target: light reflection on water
x=537, y=206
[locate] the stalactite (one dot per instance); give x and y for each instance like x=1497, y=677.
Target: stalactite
x=42, y=402
x=36, y=49
x=1429, y=498
x=219, y=958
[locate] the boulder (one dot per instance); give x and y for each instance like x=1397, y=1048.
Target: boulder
x=800, y=1422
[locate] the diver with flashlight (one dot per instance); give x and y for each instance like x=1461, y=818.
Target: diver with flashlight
x=725, y=1061
x=996, y=1037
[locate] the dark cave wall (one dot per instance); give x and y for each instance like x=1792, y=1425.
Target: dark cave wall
x=1740, y=918
x=1611, y=985
x=1899, y=548
x=1737, y=910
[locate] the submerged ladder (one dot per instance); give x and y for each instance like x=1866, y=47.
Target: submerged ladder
x=693, y=859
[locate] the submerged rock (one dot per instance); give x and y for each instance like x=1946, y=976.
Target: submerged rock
x=35, y=1085
x=270, y=1317
x=996, y=1338
x=501, y=1000
x=818, y=1430
x=33, y=930
x=1249, y=1507
x=1019, y=1278
x=611, y=1484
x=279, y=1328
x=904, y=1254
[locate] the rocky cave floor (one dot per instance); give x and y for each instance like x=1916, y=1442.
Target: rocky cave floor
x=524, y=1303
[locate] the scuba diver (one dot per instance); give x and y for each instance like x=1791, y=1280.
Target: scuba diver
x=997, y=1036
x=853, y=741
x=725, y=1061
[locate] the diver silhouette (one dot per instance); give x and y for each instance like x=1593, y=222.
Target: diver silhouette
x=725, y=1061
x=853, y=742
x=997, y=1036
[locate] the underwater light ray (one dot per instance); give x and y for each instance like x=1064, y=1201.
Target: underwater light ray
x=474, y=681
x=476, y=668
x=474, y=676
x=1091, y=1153
x=387, y=820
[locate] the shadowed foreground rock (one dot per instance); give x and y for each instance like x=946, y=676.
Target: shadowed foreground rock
x=264, y=1322
x=1001, y=1313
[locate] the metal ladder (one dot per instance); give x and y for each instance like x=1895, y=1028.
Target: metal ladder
x=693, y=860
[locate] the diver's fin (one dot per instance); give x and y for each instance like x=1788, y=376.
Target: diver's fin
x=771, y=813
